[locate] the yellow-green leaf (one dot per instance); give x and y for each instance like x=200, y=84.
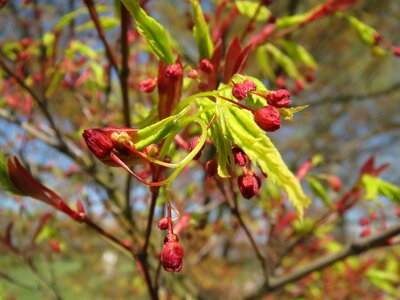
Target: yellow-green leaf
x=153, y=32
x=201, y=32
x=249, y=137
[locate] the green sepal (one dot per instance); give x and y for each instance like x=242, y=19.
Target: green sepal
x=155, y=133
x=5, y=181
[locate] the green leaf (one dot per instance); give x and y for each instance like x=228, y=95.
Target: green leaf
x=375, y=186
x=66, y=19
x=153, y=32
x=155, y=133
x=5, y=182
x=319, y=190
x=365, y=32
x=290, y=21
x=264, y=63
x=249, y=9
x=201, y=32
x=77, y=46
x=284, y=61
x=299, y=53
x=249, y=137
x=106, y=22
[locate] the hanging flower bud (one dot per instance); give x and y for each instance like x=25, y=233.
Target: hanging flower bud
x=148, y=85
x=279, y=98
x=249, y=184
x=206, y=66
x=211, y=167
x=239, y=91
x=267, y=118
x=174, y=71
x=172, y=254
x=193, y=145
x=239, y=156
x=163, y=223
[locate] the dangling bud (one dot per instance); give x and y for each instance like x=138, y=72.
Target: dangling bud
x=148, y=85
x=239, y=156
x=279, y=98
x=211, y=167
x=172, y=254
x=249, y=184
x=268, y=118
x=163, y=223
x=206, y=66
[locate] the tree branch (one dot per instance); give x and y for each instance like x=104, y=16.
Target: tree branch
x=355, y=248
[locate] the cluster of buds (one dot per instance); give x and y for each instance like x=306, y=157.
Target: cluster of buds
x=267, y=117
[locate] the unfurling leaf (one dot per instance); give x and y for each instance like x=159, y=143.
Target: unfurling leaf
x=375, y=187
x=201, y=32
x=253, y=141
x=251, y=9
x=153, y=32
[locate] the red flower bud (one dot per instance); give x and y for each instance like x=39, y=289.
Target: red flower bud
x=239, y=156
x=279, y=98
x=398, y=212
x=211, y=167
x=239, y=91
x=193, y=74
x=365, y=232
x=267, y=118
x=249, y=184
x=98, y=142
x=250, y=85
x=148, y=85
x=206, y=66
x=174, y=71
x=281, y=81
x=193, y=144
x=163, y=223
x=396, y=51
x=364, y=221
x=55, y=246
x=172, y=254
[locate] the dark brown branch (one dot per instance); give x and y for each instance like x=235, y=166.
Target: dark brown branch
x=95, y=18
x=357, y=247
x=124, y=74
